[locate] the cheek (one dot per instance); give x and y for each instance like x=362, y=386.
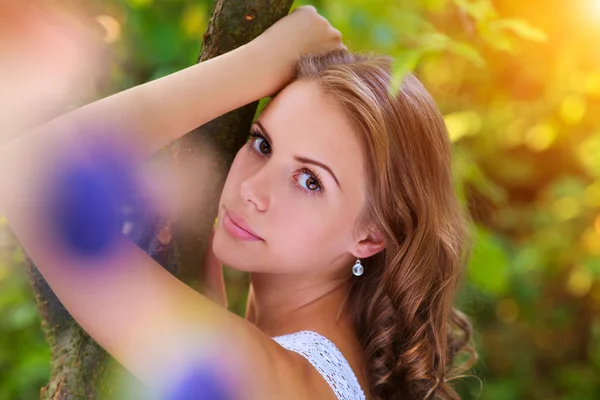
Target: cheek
x=306, y=233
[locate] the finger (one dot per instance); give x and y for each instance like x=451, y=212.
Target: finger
x=336, y=33
x=308, y=8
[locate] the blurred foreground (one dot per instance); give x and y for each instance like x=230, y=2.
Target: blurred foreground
x=519, y=85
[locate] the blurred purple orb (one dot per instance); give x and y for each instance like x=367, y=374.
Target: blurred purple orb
x=87, y=198
x=201, y=382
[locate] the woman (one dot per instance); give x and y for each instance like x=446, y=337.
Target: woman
x=340, y=206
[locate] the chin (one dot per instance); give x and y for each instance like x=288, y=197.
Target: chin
x=234, y=256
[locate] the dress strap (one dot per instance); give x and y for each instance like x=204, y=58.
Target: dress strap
x=327, y=359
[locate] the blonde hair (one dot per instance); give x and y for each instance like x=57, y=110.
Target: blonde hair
x=402, y=306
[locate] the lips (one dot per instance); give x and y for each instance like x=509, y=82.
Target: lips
x=240, y=222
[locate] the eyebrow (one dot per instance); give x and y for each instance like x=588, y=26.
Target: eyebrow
x=298, y=158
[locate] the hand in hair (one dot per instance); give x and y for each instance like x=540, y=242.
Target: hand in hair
x=303, y=31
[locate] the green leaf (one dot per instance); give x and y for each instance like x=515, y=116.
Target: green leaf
x=478, y=9
x=468, y=52
x=522, y=28
x=438, y=42
x=404, y=63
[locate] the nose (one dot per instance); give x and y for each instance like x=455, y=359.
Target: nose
x=255, y=189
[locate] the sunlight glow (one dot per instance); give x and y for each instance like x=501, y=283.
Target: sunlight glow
x=596, y=7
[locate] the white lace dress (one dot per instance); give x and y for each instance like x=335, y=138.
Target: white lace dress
x=327, y=359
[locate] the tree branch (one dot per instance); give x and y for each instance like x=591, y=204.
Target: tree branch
x=78, y=363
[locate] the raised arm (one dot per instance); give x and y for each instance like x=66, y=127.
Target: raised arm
x=126, y=301
x=153, y=114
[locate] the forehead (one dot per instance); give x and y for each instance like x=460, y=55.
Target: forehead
x=303, y=121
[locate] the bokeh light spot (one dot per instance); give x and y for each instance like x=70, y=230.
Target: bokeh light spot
x=589, y=153
x=592, y=84
x=461, y=124
x=590, y=239
x=541, y=136
x=111, y=26
x=580, y=281
x=513, y=134
x=592, y=195
x=194, y=21
x=572, y=109
x=507, y=311
x=565, y=208
x=437, y=72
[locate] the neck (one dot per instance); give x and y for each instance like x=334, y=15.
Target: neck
x=286, y=303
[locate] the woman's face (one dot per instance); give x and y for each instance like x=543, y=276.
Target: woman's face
x=304, y=212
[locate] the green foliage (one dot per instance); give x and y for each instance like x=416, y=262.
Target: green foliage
x=518, y=89
x=24, y=355
x=488, y=266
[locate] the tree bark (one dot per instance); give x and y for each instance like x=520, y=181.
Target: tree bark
x=79, y=364
x=233, y=23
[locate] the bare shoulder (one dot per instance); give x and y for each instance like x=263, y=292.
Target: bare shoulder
x=267, y=370
x=297, y=377
x=311, y=365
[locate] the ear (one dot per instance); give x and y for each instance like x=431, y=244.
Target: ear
x=370, y=245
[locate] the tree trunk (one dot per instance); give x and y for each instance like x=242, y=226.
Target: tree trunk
x=79, y=364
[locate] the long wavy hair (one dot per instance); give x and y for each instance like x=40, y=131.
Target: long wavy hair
x=402, y=306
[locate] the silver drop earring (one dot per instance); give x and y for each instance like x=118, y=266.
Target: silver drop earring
x=358, y=269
